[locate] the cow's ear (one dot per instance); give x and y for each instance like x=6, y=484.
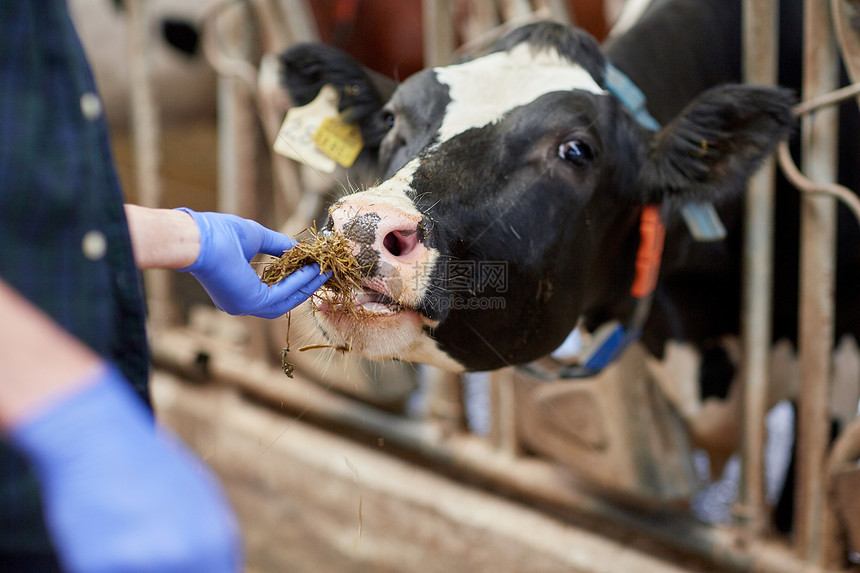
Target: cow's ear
x=306, y=68
x=716, y=143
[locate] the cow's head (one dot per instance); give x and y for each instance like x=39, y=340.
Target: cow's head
x=511, y=190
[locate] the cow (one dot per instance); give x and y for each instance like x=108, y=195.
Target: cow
x=520, y=192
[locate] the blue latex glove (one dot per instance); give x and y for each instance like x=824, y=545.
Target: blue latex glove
x=121, y=496
x=227, y=244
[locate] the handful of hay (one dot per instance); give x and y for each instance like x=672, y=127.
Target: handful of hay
x=333, y=252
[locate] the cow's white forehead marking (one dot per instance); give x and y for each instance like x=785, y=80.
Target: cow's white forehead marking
x=483, y=89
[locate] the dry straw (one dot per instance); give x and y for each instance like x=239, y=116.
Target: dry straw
x=332, y=251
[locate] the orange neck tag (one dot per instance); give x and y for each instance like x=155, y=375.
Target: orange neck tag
x=651, y=236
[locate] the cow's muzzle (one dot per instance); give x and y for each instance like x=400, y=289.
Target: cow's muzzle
x=389, y=244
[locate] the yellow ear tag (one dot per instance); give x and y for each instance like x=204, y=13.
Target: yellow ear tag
x=339, y=140
x=296, y=136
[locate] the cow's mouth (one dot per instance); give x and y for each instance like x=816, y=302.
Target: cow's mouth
x=375, y=302
x=366, y=302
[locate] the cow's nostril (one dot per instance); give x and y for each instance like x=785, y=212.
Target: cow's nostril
x=400, y=243
x=391, y=244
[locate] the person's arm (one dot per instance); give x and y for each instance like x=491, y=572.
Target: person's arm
x=118, y=493
x=40, y=361
x=216, y=249
x=162, y=238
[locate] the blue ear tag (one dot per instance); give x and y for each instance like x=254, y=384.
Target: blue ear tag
x=703, y=221
x=630, y=96
x=701, y=218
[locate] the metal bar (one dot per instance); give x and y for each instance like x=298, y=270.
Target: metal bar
x=299, y=20
x=145, y=129
x=786, y=164
x=514, y=9
x=827, y=99
x=846, y=448
x=292, y=21
x=558, y=10
x=481, y=16
x=815, y=535
x=439, y=41
x=504, y=433
x=144, y=116
x=236, y=148
x=846, y=20
x=445, y=400
x=760, y=51
x=236, y=126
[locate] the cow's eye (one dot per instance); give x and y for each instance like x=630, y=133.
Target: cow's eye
x=387, y=119
x=576, y=151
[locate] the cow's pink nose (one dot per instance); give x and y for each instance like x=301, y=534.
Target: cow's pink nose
x=383, y=234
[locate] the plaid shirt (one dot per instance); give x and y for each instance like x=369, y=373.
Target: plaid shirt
x=64, y=242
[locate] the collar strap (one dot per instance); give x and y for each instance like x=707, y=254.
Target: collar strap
x=631, y=96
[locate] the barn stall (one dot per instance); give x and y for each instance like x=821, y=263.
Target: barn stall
x=352, y=465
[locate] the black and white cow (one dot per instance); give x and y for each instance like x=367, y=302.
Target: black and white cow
x=512, y=192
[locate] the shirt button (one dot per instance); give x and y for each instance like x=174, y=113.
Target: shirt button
x=94, y=245
x=91, y=106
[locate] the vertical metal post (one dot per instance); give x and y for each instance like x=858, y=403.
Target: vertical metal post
x=760, y=55
x=503, y=432
x=482, y=16
x=439, y=41
x=515, y=9
x=446, y=406
x=144, y=111
x=236, y=129
x=815, y=522
x=559, y=10
x=297, y=19
x=145, y=134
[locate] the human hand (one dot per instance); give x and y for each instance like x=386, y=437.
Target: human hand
x=227, y=244
x=119, y=495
